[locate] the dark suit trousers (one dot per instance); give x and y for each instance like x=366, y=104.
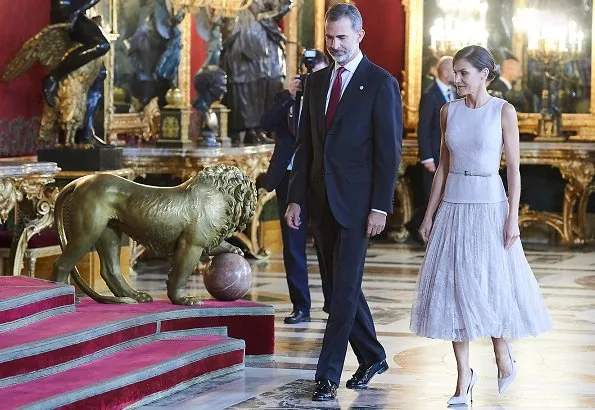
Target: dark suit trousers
x=343, y=253
x=294, y=251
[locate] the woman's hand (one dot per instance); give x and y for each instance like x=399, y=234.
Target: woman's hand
x=425, y=229
x=511, y=232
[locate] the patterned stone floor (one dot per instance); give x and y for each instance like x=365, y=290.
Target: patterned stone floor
x=555, y=370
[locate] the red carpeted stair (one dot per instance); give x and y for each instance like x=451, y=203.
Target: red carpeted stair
x=112, y=356
x=26, y=300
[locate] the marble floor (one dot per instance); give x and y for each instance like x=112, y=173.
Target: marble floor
x=555, y=370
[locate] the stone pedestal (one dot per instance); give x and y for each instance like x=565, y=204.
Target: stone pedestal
x=78, y=159
x=173, y=128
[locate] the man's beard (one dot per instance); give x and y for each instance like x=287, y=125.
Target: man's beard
x=342, y=57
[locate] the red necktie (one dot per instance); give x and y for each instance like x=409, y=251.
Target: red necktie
x=335, y=98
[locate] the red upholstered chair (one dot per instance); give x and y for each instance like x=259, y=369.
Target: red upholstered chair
x=45, y=243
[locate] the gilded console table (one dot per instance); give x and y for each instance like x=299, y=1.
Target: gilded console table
x=185, y=162
x=28, y=181
x=576, y=162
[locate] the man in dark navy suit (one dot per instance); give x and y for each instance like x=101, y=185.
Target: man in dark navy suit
x=348, y=152
x=281, y=118
x=429, y=134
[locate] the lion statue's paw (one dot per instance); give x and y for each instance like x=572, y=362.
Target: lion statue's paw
x=142, y=297
x=187, y=301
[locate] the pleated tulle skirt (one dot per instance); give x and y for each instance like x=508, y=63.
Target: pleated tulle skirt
x=469, y=286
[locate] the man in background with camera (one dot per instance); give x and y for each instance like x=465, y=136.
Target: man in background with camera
x=282, y=118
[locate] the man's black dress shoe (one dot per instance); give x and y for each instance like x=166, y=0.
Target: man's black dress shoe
x=325, y=390
x=297, y=316
x=364, y=374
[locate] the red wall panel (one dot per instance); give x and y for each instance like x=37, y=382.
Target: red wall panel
x=198, y=55
x=20, y=20
x=384, y=42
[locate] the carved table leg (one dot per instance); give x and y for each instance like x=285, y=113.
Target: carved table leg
x=588, y=234
x=404, y=209
x=571, y=225
x=43, y=199
x=136, y=250
x=578, y=176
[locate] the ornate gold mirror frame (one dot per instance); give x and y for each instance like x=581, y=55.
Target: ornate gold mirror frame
x=116, y=123
x=107, y=10
x=582, y=124
x=122, y=123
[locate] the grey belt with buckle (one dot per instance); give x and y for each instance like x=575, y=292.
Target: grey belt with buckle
x=470, y=174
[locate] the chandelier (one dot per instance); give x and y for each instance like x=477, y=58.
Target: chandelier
x=462, y=24
x=552, y=40
x=223, y=8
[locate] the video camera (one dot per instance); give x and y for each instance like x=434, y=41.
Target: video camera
x=309, y=61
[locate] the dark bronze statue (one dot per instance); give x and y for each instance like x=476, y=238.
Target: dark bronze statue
x=77, y=92
x=82, y=30
x=210, y=83
x=253, y=57
x=208, y=28
x=149, y=51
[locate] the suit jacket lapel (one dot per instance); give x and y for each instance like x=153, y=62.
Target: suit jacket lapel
x=438, y=93
x=353, y=91
x=322, y=100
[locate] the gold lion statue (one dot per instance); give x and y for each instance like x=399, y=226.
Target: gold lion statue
x=180, y=223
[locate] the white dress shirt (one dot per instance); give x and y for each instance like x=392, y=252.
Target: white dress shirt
x=506, y=83
x=350, y=68
x=446, y=89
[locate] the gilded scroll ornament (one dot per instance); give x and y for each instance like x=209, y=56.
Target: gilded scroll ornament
x=9, y=196
x=43, y=198
x=180, y=223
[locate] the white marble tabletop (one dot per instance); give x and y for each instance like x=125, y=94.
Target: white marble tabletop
x=200, y=152
x=16, y=169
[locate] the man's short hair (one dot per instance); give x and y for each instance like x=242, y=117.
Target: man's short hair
x=340, y=10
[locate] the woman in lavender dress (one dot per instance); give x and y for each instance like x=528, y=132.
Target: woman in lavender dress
x=475, y=280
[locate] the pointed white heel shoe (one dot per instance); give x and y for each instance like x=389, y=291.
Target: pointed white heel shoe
x=462, y=399
x=504, y=382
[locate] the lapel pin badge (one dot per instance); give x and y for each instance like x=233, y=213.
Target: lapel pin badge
x=361, y=87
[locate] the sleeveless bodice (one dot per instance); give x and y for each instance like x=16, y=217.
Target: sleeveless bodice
x=474, y=141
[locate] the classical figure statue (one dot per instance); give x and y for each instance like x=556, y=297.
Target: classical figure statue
x=209, y=29
x=253, y=57
x=181, y=223
x=86, y=33
x=152, y=40
x=73, y=87
x=210, y=83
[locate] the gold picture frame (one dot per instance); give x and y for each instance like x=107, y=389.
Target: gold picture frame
x=126, y=123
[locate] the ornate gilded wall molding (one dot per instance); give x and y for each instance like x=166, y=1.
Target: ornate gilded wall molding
x=184, y=74
x=413, y=61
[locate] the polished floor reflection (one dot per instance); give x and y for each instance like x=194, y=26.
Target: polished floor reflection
x=555, y=370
